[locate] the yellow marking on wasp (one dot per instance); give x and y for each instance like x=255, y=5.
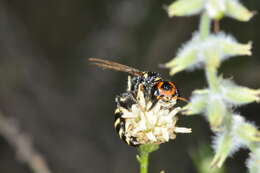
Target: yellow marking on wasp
x=121, y=131
x=127, y=140
x=117, y=111
x=157, y=79
x=129, y=83
x=122, y=99
x=116, y=122
x=145, y=74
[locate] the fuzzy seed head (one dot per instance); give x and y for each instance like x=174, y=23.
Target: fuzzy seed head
x=154, y=125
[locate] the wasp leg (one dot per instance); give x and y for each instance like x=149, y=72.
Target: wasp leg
x=154, y=102
x=135, y=82
x=125, y=100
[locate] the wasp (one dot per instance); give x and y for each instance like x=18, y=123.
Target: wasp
x=147, y=96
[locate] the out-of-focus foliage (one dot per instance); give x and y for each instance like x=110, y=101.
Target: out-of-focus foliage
x=202, y=157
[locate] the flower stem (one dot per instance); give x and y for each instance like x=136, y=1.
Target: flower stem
x=211, y=68
x=204, y=27
x=211, y=74
x=143, y=156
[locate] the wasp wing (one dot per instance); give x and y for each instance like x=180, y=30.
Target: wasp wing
x=115, y=66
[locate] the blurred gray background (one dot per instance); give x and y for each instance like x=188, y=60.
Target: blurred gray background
x=66, y=105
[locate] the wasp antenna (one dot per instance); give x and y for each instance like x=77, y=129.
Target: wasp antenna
x=183, y=99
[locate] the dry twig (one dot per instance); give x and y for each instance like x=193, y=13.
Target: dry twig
x=22, y=145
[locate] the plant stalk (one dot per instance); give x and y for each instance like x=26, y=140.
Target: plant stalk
x=204, y=26
x=211, y=74
x=143, y=156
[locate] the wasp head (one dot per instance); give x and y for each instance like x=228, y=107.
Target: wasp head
x=165, y=91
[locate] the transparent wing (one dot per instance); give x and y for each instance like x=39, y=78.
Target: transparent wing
x=115, y=66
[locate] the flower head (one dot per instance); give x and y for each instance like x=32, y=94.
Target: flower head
x=151, y=124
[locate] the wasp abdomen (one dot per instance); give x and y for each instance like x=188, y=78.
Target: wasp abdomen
x=124, y=101
x=119, y=125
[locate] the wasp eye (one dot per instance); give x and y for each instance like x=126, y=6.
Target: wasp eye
x=166, y=86
x=164, y=89
x=157, y=92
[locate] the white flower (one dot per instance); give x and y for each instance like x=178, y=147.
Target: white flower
x=154, y=125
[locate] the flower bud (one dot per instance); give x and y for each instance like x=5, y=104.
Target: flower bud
x=216, y=111
x=239, y=95
x=182, y=61
x=237, y=11
x=215, y=9
x=184, y=8
x=248, y=132
x=223, y=148
x=229, y=46
x=202, y=157
x=197, y=104
x=211, y=51
x=238, y=131
x=234, y=48
x=239, y=134
x=253, y=163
